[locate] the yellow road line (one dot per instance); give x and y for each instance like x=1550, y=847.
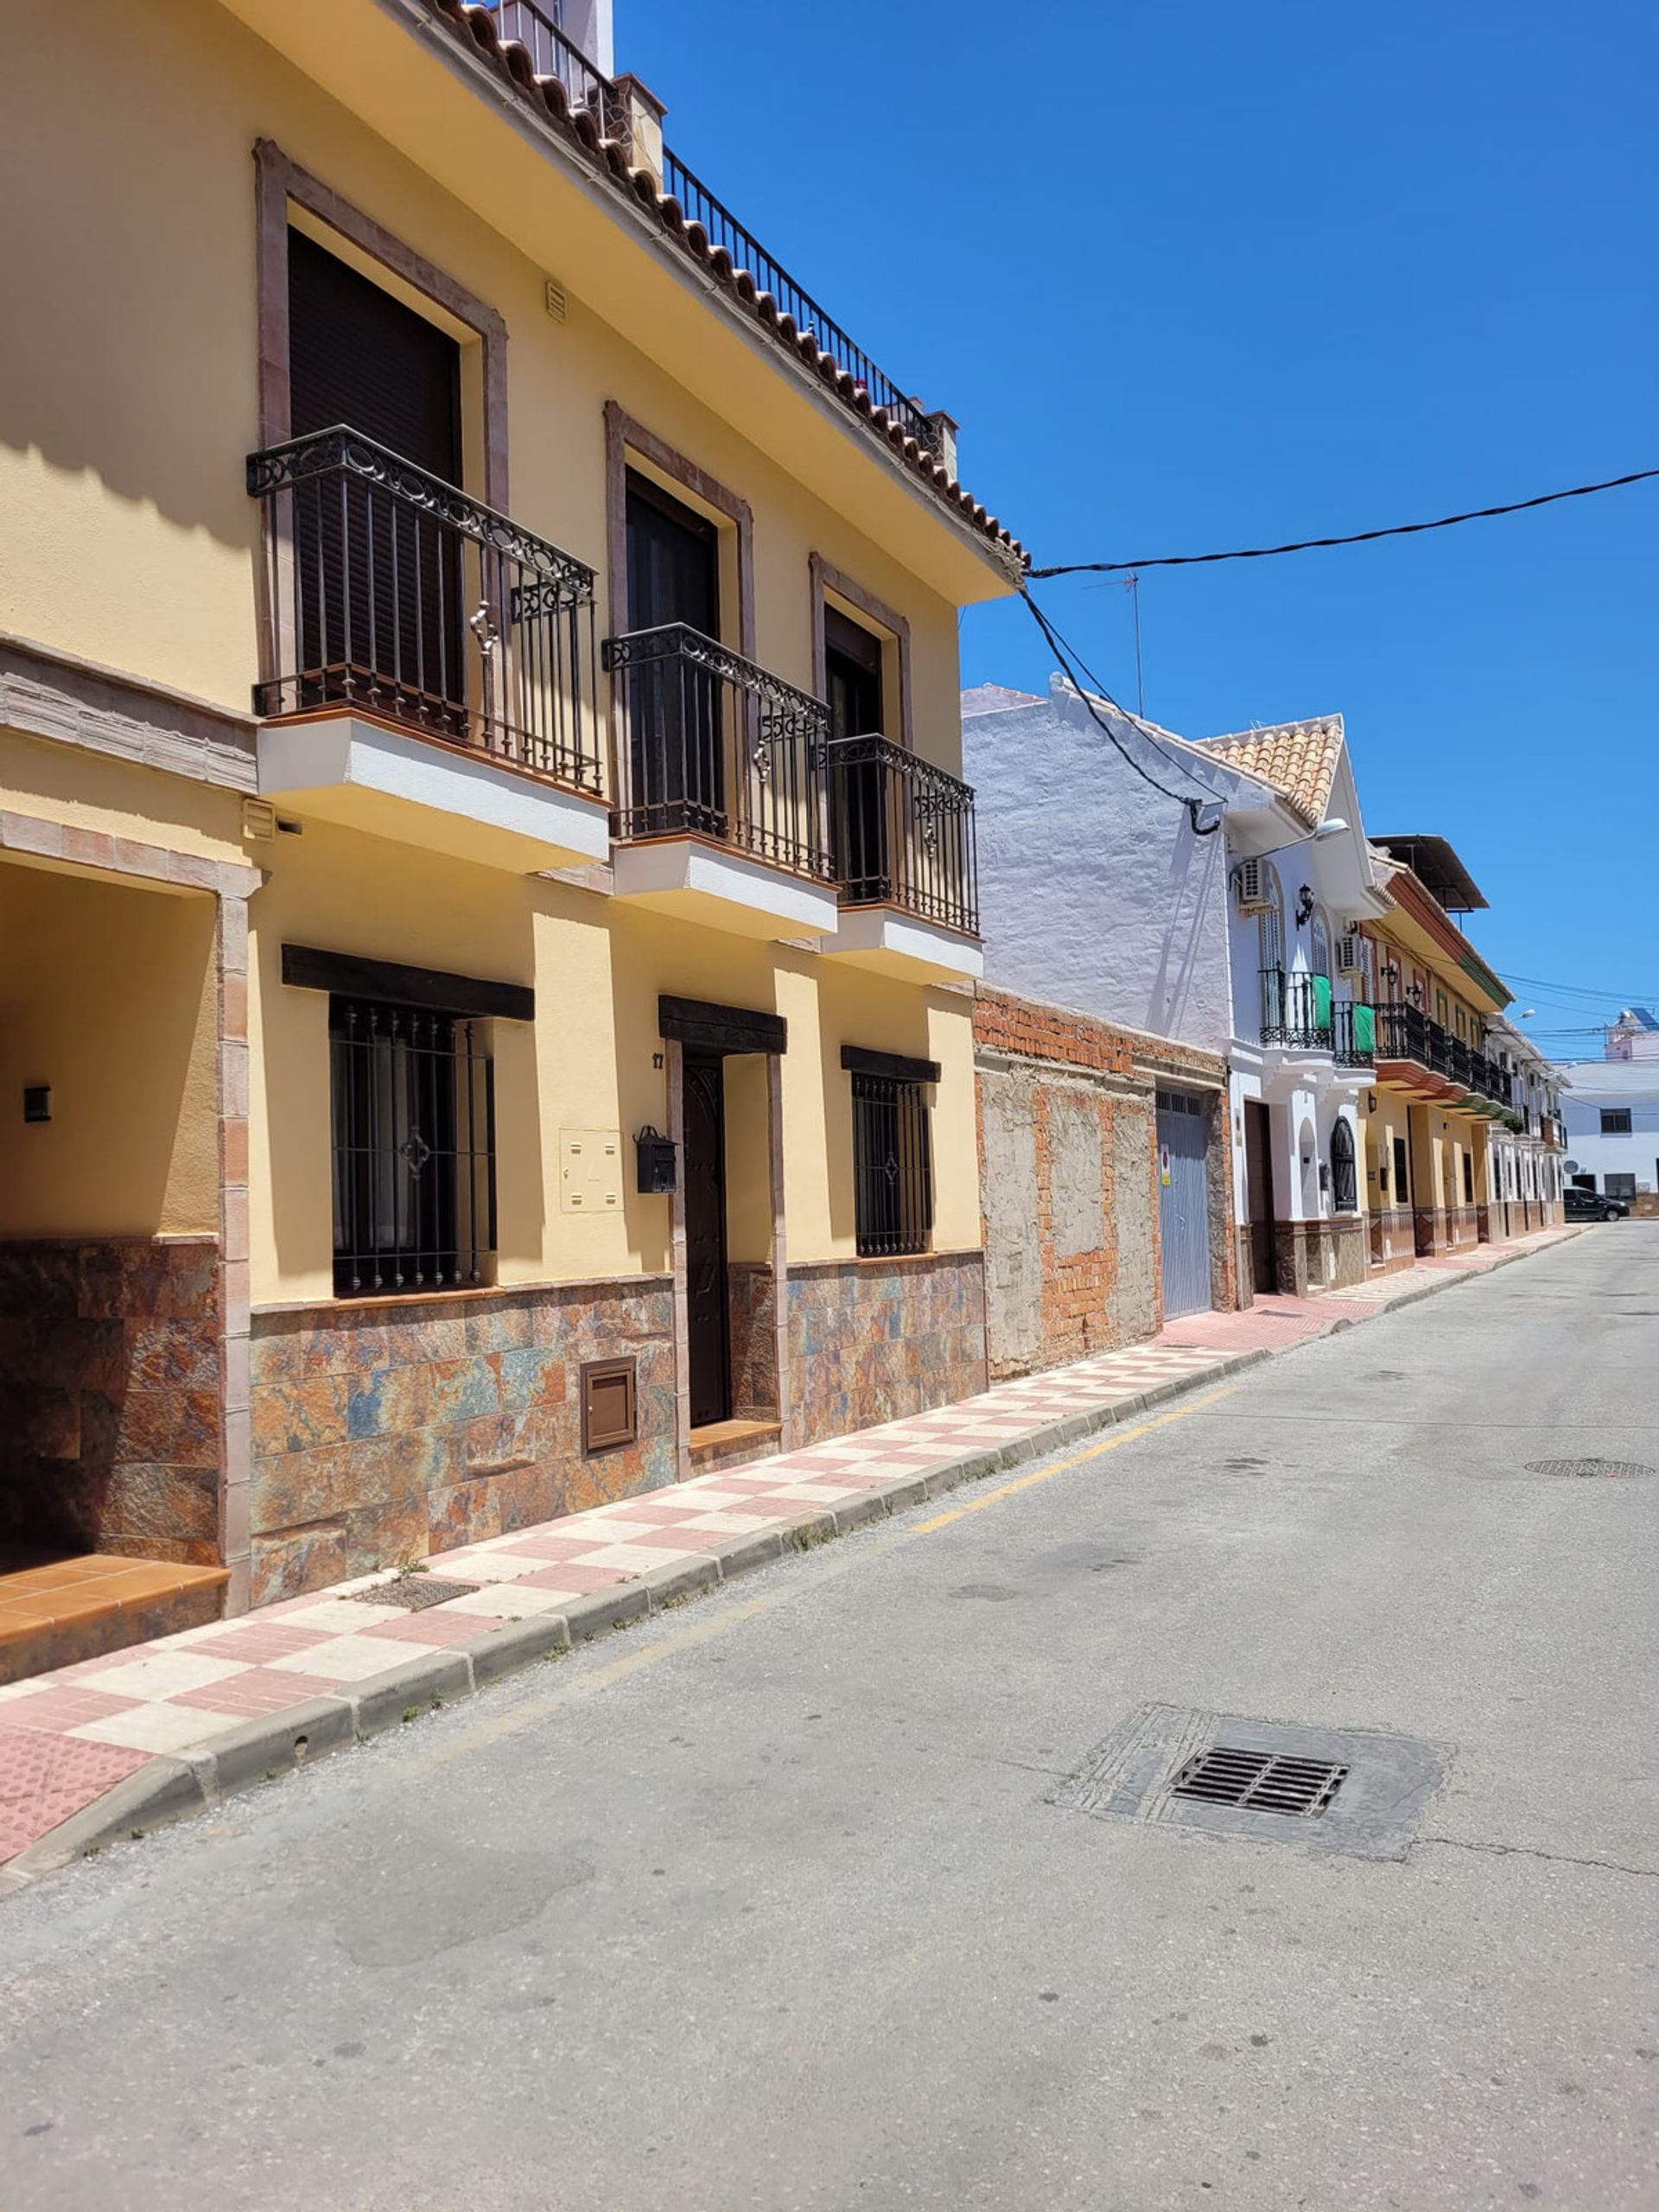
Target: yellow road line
x=977, y=1504
x=874, y=1539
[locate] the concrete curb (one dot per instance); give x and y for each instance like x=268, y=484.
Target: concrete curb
x=262, y=1750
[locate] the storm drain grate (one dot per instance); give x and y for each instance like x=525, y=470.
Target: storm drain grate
x=1606, y=1467
x=1260, y=1782
x=413, y=1593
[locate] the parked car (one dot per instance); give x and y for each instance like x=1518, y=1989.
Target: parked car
x=1593, y=1205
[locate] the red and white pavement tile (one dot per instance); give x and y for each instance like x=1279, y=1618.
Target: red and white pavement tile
x=68, y=1737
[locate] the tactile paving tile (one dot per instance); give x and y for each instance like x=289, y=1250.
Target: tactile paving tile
x=44, y=1778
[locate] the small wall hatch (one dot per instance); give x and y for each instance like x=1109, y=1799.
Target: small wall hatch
x=609, y=1409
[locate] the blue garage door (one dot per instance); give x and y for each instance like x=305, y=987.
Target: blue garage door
x=1184, y=1202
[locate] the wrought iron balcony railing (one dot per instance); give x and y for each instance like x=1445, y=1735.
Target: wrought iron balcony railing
x=1303, y=1012
x=1353, y=1034
x=533, y=23
x=1295, y=1011
x=1489, y=1080
x=710, y=746
x=902, y=833
x=389, y=591
x=1402, y=1032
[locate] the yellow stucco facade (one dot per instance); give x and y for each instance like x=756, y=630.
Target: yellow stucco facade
x=159, y=861
x=1427, y=1179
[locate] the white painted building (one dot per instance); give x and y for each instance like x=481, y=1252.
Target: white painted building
x=1525, y=1170
x=1181, y=888
x=1611, y=1113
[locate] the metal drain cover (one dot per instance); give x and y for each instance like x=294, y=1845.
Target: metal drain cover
x=1262, y=1781
x=413, y=1593
x=1606, y=1467
x=1330, y=1790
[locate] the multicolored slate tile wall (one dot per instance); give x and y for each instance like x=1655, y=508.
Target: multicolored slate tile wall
x=874, y=1340
x=387, y=1430
x=110, y=1405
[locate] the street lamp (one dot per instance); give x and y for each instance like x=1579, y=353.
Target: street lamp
x=1336, y=827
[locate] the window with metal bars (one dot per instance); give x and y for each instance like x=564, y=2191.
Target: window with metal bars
x=893, y=1168
x=413, y=1108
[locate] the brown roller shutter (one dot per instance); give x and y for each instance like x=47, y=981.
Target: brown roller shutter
x=360, y=357
x=382, y=580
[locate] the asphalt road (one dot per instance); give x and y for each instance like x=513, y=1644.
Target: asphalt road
x=771, y=1903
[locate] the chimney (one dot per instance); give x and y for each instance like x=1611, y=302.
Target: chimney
x=642, y=125
x=941, y=435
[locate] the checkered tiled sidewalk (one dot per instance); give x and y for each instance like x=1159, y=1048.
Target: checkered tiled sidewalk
x=68, y=1737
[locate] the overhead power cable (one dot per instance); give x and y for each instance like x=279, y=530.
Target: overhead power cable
x=1586, y=990
x=1076, y=675
x=1354, y=537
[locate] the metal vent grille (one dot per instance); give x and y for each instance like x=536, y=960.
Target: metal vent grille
x=413, y=1593
x=1611, y=1467
x=1260, y=1782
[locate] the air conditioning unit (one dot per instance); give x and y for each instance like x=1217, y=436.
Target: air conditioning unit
x=1250, y=888
x=1350, y=955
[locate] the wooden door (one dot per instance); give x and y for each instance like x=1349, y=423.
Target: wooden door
x=1258, y=1183
x=707, y=1320
x=677, y=743
x=379, y=580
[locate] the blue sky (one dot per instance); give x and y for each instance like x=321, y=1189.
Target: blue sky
x=1194, y=275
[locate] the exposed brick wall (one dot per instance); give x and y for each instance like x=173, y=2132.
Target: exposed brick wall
x=1003, y=1023
x=1069, y=1180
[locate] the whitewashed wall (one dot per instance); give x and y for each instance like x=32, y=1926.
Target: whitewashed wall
x=1095, y=892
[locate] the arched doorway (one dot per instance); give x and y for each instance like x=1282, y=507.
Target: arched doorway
x=1345, y=1178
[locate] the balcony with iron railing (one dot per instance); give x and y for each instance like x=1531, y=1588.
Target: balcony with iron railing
x=720, y=811
x=406, y=624
x=1408, y=1038
x=392, y=601
x=1302, y=1013
x=902, y=831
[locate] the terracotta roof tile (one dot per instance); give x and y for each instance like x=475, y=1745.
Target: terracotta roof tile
x=1298, y=758
x=548, y=96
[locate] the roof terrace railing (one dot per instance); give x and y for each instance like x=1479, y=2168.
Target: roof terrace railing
x=723, y=230
x=538, y=29
x=534, y=24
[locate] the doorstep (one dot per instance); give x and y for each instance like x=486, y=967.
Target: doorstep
x=732, y=1443
x=70, y=1609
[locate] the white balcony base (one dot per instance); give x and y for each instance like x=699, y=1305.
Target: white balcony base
x=719, y=889
x=891, y=943
x=393, y=783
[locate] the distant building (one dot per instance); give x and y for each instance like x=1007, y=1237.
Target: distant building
x=1611, y=1113
x=1634, y=1036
